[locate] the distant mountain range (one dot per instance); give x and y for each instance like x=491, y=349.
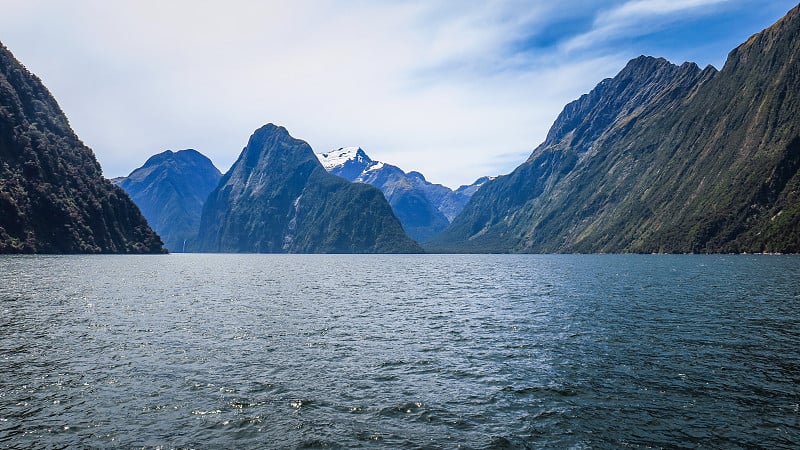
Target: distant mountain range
x=53, y=197
x=660, y=158
x=277, y=198
x=171, y=189
x=424, y=208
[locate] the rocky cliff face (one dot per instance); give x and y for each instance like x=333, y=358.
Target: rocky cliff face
x=277, y=198
x=424, y=208
x=53, y=197
x=661, y=158
x=170, y=190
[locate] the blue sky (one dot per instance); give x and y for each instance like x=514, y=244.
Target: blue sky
x=453, y=89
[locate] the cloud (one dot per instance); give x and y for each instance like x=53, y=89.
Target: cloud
x=431, y=86
x=636, y=18
x=451, y=89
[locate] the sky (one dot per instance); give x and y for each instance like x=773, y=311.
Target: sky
x=454, y=89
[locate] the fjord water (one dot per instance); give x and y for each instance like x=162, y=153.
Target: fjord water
x=416, y=351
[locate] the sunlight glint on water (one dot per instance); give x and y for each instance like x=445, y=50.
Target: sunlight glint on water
x=482, y=351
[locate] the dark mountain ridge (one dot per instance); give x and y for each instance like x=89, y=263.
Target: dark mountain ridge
x=170, y=189
x=53, y=197
x=277, y=198
x=660, y=158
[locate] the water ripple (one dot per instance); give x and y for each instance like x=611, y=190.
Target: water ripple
x=375, y=351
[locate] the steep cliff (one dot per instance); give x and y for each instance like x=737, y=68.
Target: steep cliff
x=53, y=197
x=661, y=158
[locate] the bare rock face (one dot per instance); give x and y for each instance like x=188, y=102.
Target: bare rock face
x=53, y=197
x=277, y=198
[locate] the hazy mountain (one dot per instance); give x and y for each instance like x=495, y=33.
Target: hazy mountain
x=661, y=158
x=277, y=197
x=170, y=190
x=424, y=208
x=454, y=202
x=53, y=197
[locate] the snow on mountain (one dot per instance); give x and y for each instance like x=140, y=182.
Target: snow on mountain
x=340, y=157
x=377, y=166
x=424, y=208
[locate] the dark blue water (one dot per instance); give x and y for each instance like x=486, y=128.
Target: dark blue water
x=435, y=351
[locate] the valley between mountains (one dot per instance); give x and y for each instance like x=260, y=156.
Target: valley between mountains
x=661, y=158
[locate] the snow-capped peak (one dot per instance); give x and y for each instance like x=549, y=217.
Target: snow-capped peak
x=377, y=166
x=338, y=158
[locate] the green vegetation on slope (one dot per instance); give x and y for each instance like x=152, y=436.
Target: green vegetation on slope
x=53, y=197
x=661, y=158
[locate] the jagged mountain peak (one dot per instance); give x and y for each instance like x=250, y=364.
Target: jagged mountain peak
x=342, y=156
x=277, y=197
x=273, y=143
x=424, y=208
x=271, y=128
x=660, y=158
x=353, y=164
x=635, y=86
x=643, y=64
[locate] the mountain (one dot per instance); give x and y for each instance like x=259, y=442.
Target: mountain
x=277, y=198
x=418, y=215
x=170, y=190
x=660, y=158
x=424, y=208
x=454, y=202
x=53, y=197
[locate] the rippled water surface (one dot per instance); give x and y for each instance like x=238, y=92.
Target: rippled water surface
x=432, y=351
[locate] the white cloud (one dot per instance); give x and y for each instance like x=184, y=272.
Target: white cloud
x=635, y=18
x=419, y=84
x=451, y=89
